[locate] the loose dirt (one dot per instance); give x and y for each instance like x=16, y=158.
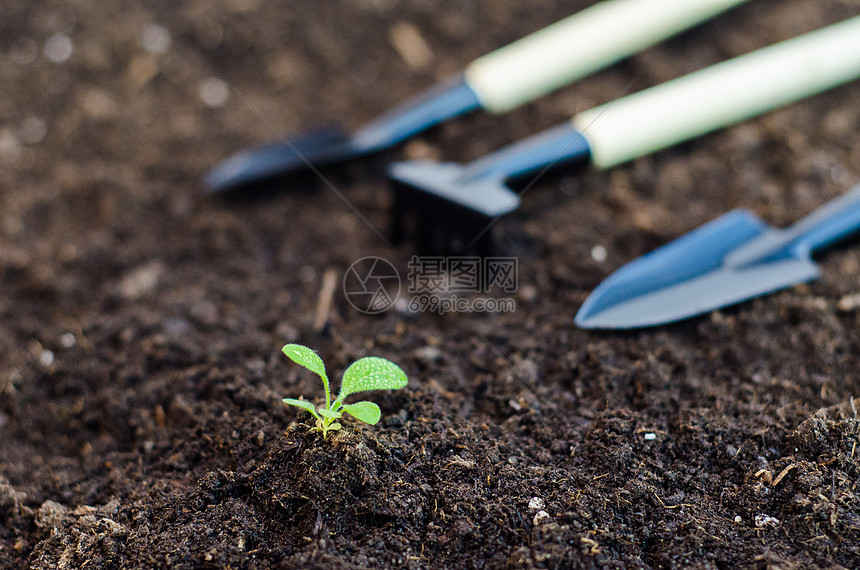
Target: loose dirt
x=141, y=321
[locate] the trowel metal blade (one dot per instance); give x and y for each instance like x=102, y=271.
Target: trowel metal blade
x=688, y=277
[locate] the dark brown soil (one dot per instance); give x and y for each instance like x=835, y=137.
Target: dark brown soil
x=141, y=322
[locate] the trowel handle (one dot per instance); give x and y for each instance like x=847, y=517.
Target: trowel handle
x=580, y=44
x=831, y=222
x=722, y=94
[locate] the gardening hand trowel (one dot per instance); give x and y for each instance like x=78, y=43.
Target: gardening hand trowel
x=731, y=259
x=454, y=198
x=497, y=82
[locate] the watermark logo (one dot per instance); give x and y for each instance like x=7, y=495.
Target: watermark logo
x=436, y=284
x=446, y=275
x=462, y=284
x=371, y=285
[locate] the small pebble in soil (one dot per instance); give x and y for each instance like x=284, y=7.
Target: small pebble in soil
x=10, y=145
x=141, y=280
x=58, y=48
x=540, y=518
x=403, y=308
x=849, y=303
x=650, y=436
x=33, y=130
x=213, y=92
x=420, y=150
x=599, y=253
x=839, y=174
x=176, y=327
x=527, y=293
x=287, y=332
x=428, y=353
x=738, y=519
x=536, y=503
x=68, y=340
x=155, y=39
x=528, y=369
x=765, y=520
x=46, y=358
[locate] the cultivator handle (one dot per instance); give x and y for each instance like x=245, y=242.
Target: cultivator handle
x=722, y=94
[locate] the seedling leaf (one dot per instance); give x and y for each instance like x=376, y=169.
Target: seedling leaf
x=365, y=411
x=304, y=404
x=306, y=357
x=329, y=414
x=371, y=373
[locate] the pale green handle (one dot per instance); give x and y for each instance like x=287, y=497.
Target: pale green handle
x=580, y=44
x=721, y=94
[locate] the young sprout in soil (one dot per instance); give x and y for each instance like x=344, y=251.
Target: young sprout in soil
x=369, y=373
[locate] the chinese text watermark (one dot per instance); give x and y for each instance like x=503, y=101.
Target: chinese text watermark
x=438, y=284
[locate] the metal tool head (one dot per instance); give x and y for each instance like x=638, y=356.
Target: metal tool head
x=442, y=209
x=690, y=276
x=466, y=199
x=487, y=196
x=330, y=146
x=319, y=148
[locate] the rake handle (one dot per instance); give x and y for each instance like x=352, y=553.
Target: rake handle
x=722, y=94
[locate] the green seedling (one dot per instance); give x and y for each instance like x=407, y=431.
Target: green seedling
x=369, y=373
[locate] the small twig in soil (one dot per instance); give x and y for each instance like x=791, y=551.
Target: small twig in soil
x=782, y=474
x=318, y=523
x=593, y=546
x=833, y=485
x=329, y=282
x=519, y=516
